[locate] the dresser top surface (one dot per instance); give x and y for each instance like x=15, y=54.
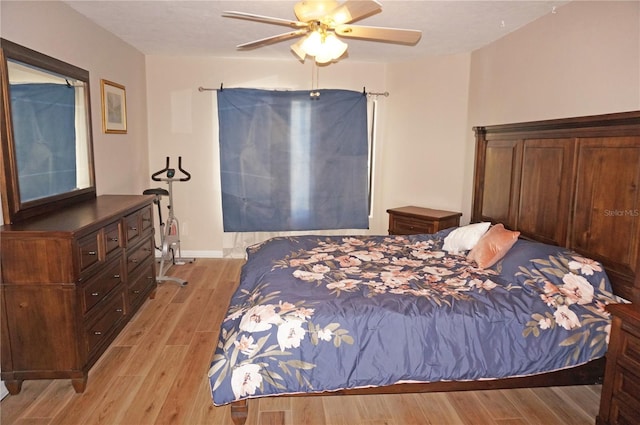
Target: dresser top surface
x=77, y=217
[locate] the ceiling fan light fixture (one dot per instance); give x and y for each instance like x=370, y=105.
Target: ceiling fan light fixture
x=312, y=43
x=334, y=46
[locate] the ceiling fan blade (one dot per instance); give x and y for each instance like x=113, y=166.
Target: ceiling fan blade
x=352, y=10
x=265, y=19
x=390, y=35
x=270, y=40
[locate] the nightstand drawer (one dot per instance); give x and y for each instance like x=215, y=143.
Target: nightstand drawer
x=626, y=387
x=630, y=353
x=410, y=226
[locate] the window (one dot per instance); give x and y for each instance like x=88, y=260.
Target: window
x=289, y=161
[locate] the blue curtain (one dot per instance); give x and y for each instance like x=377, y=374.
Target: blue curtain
x=292, y=162
x=46, y=160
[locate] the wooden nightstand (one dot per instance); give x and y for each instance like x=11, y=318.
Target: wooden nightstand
x=413, y=220
x=620, y=398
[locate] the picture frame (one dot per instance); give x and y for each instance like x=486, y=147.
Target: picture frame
x=114, y=107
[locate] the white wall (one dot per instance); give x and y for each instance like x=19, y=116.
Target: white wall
x=426, y=133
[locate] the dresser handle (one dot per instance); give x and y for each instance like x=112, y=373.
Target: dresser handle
x=136, y=291
x=116, y=276
x=97, y=333
x=95, y=294
x=134, y=260
x=118, y=310
x=135, y=229
x=91, y=253
x=114, y=239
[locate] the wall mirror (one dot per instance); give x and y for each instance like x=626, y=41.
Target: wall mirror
x=47, y=147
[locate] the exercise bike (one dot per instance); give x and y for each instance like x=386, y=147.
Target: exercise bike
x=170, y=230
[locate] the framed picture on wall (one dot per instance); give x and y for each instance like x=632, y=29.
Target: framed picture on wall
x=114, y=107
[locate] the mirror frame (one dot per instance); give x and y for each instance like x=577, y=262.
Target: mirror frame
x=13, y=208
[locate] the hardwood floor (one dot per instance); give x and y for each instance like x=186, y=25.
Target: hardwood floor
x=155, y=372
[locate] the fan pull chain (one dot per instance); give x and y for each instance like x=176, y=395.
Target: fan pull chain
x=315, y=72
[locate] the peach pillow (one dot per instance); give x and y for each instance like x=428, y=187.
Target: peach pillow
x=492, y=246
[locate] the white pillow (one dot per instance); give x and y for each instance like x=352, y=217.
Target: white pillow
x=464, y=238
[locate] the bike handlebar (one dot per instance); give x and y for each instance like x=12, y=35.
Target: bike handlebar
x=170, y=172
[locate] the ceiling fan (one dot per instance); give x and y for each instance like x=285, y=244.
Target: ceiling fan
x=320, y=22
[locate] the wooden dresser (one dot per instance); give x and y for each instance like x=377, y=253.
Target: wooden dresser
x=71, y=280
x=620, y=399
x=413, y=220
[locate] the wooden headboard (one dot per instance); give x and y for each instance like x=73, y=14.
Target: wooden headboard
x=571, y=182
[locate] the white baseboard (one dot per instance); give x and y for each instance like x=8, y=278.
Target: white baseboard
x=197, y=254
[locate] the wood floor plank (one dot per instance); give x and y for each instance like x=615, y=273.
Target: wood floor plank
x=204, y=412
x=188, y=323
x=81, y=406
x=306, y=411
x=566, y=413
x=153, y=391
x=406, y=409
x=145, y=353
x=470, y=408
x=531, y=407
x=437, y=409
x=155, y=373
x=13, y=407
x=177, y=407
x=50, y=402
x=111, y=406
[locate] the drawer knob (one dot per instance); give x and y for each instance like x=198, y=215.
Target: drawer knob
x=95, y=294
x=116, y=276
x=114, y=239
x=92, y=253
x=134, y=260
x=118, y=310
x=136, y=291
x=134, y=228
x=97, y=333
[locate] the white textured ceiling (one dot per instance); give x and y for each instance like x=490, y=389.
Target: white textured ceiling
x=196, y=28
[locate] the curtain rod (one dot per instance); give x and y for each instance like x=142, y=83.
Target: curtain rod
x=368, y=93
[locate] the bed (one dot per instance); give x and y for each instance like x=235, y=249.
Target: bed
x=554, y=239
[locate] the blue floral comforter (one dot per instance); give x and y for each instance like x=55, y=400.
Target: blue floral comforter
x=315, y=314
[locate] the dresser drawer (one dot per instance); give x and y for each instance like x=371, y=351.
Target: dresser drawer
x=142, y=282
x=138, y=255
x=146, y=219
x=409, y=226
x=106, y=321
x=138, y=224
x=112, y=237
x=89, y=250
x=97, y=288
